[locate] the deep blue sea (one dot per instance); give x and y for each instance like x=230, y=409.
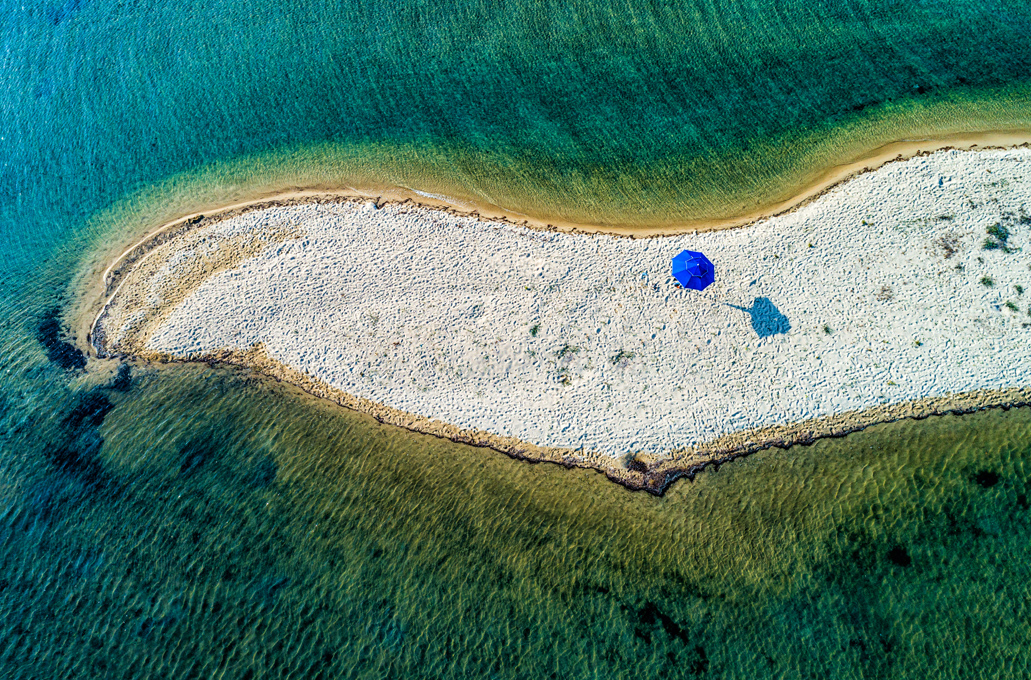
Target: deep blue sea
x=200, y=521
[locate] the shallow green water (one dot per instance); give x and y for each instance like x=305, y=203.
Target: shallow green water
x=227, y=524
x=193, y=522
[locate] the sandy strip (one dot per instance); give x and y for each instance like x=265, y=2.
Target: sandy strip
x=876, y=301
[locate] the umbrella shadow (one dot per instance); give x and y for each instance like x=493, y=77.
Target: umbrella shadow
x=767, y=320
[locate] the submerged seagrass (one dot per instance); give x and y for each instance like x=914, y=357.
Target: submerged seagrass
x=190, y=521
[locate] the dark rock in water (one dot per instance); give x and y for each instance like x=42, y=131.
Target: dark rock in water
x=264, y=473
x=62, y=353
x=636, y=466
x=700, y=663
x=122, y=380
x=65, y=11
x=43, y=498
x=70, y=458
x=150, y=625
x=75, y=449
x=899, y=556
x=90, y=411
x=267, y=592
x=651, y=614
x=77, y=473
x=986, y=478
x=79, y=457
x=195, y=453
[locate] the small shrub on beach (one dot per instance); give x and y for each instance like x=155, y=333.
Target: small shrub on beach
x=535, y=329
x=826, y=329
x=987, y=281
x=1010, y=306
x=885, y=294
x=567, y=350
x=998, y=238
x=621, y=357
x=948, y=244
x=1019, y=289
x=999, y=231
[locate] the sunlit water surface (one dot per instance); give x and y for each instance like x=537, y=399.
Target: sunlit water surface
x=204, y=522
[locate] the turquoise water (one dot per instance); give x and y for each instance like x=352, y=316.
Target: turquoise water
x=630, y=112
x=196, y=521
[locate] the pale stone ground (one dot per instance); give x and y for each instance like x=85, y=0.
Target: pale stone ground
x=871, y=294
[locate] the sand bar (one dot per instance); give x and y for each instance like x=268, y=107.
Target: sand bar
x=876, y=301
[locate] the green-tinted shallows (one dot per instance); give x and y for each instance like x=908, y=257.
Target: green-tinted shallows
x=194, y=522
x=632, y=112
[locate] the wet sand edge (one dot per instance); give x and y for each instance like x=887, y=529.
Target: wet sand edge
x=637, y=472
x=834, y=176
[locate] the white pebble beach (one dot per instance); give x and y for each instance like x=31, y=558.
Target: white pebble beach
x=886, y=289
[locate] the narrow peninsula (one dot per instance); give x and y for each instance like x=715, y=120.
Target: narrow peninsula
x=904, y=291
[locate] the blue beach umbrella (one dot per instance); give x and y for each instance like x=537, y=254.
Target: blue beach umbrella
x=693, y=270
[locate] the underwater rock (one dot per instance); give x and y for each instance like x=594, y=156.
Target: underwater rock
x=122, y=380
x=60, y=352
x=90, y=411
x=986, y=478
x=899, y=556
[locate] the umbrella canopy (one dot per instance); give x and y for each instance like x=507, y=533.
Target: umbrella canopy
x=693, y=270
